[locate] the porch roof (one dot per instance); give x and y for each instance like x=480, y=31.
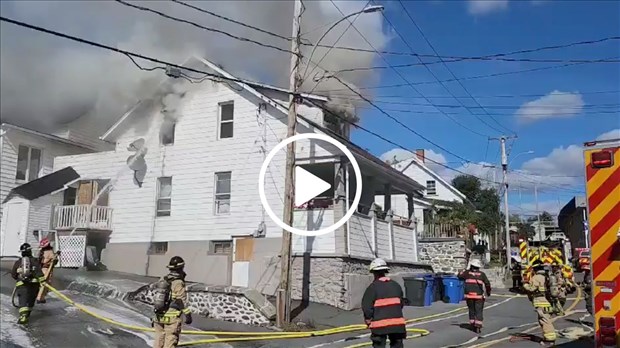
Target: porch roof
x=44, y=185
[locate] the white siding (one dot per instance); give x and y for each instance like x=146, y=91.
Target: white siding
x=383, y=239
x=360, y=236
x=320, y=218
x=196, y=155
x=40, y=214
x=8, y=159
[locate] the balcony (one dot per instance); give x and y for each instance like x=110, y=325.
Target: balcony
x=441, y=230
x=82, y=216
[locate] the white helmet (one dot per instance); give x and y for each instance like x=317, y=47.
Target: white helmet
x=378, y=264
x=475, y=263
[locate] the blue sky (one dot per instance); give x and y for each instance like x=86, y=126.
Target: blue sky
x=468, y=29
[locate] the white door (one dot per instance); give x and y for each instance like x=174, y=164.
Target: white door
x=243, y=250
x=14, y=221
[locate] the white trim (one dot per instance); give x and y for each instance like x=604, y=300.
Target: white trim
x=105, y=136
x=220, y=122
x=47, y=136
x=27, y=174
x=435, y=175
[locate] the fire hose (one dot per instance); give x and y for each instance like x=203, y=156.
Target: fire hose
x=246, y=336
x=47, y=276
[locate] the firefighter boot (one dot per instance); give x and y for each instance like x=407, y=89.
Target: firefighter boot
x=24, y=315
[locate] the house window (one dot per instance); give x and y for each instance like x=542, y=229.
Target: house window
x=220, y=247
x=167, y=133
x=431, y=187
x=164, y=196
x=225, y=128
x=222, y=192
x=28, y=163
x=158, y=248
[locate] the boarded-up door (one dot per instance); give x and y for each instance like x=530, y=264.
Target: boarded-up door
x=243, y=251
x=85, y=192
x=14, y=223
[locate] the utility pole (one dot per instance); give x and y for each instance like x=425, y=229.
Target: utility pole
x=537, y=211
x=502, y=141
x=283, y=310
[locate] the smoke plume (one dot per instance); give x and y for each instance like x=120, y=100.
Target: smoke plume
x=47, y=80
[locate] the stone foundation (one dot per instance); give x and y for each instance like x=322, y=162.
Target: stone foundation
x=445, y=255
x=234, y=304
x=340, y=281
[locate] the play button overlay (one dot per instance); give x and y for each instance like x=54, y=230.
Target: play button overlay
x=308, y=185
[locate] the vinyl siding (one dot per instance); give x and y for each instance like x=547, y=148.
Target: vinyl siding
x=8, y=159
x=192, y=161
x=40, y=213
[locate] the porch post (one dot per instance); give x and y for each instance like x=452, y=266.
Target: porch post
x=410, y=211
x=373, y=230
x=340, y=204
x=387, y=197
x=414, y=224
x=389, y=219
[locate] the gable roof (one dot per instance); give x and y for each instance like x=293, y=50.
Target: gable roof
x=47, y=136
x=44, y=185
x=240, y=82
x=418, y=163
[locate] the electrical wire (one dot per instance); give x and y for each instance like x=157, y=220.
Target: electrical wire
x=476, y=77
x=451, y=73
x=594, y=112
x=240, y=38
x=408, y=83
x=490, y=96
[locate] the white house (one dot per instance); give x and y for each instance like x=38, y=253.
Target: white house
x=183, y=180
x=438, y=191
x=26, y=155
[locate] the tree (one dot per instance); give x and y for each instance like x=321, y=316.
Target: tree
x=483, y=206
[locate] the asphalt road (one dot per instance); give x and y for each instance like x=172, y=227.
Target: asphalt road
x=55, y=324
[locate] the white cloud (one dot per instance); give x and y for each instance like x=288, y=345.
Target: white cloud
x=433, y=160
x=554, y=105
x=612, y=134
x=483, y=7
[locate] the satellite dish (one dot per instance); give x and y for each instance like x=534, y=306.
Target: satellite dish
x=136, y=145
x=136, y=162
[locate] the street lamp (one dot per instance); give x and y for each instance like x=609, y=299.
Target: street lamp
x=519, y=154
x=369, y=9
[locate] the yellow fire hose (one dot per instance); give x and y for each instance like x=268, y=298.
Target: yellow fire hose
x=249, y=336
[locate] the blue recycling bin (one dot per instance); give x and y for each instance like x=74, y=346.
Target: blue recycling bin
x=429, y=294
x=462, y=289
x=453, y=289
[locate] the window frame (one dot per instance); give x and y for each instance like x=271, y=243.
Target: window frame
x=215, y=193
x=220, y=122
x=158, y=198
x=213, y=251
x=428, y=191
x=155, y=248
x=28, y=169
x=161, y=136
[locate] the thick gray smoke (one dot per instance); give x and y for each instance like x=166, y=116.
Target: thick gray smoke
x=46, y=80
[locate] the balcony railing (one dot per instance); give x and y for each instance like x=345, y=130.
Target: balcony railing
x=83, y=216
x=441, y=231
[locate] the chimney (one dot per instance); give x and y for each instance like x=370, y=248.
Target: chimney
x=420, y=154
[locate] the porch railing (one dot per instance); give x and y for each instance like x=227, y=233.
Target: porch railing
x=82, y=216
x=441, y=231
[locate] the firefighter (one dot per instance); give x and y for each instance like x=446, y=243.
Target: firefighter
x=27, y=273
x=517, y=278
x=477, y=285
x=47, y=259
x=536, y=291
x=564, y=288
x=554, y=288
x=170, y=302
x=382, y=305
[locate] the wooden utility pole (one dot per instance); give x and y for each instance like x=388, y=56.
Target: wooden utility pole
x=283, y=309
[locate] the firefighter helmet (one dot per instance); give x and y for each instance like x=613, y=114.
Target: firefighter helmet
x=44, y=243
x=475, y=263
x=25, y=247
x=378, y=264
x=176, y=262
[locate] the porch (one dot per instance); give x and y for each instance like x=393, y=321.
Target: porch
x=82, y=216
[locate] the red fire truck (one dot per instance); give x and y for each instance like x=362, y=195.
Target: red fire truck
x=602, y=170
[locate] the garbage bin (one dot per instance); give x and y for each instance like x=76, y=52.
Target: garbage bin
x=439, y=290
x=415, y=289
x=452, y=289
x=429, y=293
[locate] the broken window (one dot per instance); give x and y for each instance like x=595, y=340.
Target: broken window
x=167, y=132
x=158, y=248
x=226, y=116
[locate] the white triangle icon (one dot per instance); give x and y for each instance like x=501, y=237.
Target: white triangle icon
x=308, y=186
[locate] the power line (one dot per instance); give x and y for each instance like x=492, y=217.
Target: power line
x=486, y=96
x=548, y=106
x=594, y=112
x=408, y=83
x=240, y=38
x=472, y=77
x=446, y=66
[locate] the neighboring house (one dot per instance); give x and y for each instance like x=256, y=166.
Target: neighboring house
x=437, y=195
x=28, y=209
x=192, y=191
x=26, y=155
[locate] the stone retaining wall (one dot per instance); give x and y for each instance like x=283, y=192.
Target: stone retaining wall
x=445, y=255
x=234, y=304
x=339, y=281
